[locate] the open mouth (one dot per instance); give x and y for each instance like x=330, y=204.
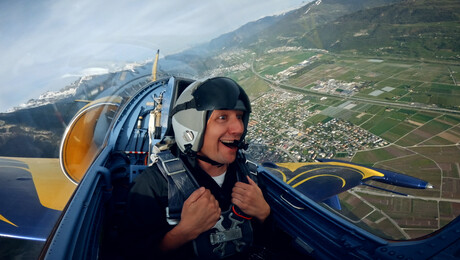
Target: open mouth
x=230, y=144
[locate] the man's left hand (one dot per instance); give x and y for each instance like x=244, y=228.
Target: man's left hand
x=249, y=198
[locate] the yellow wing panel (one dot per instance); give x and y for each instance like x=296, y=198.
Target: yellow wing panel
x=53, y=187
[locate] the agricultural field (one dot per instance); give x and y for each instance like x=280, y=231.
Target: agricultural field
x=399, y=115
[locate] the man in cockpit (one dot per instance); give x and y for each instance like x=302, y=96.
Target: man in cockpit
x=204, y=178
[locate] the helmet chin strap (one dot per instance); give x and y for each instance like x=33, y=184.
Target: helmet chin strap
x=190, y=153
x=240, y=144
x=209, y=160
x=243, y=145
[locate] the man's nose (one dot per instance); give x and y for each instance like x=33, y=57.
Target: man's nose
x=236, y=126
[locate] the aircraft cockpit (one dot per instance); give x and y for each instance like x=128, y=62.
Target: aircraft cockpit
x=109, y=142
x=131, y=124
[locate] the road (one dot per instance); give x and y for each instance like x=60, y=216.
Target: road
x=386, y=194
x=357, y=99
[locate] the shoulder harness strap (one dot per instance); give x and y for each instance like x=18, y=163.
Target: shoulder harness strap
x=180, y=184
x=231, y=234
x=248, y=167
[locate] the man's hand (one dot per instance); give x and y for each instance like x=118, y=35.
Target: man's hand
x=200, y=213
x=249, y=198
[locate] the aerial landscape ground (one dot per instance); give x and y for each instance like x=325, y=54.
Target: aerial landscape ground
x=371, y=82
x=396, y=114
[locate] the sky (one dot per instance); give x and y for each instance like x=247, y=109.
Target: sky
x=46, y=44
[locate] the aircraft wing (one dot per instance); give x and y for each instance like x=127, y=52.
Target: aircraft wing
x=33, y=193
x=322, y=180
x=322, y=234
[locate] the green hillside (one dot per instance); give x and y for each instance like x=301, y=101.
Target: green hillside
x=416, y=29
x=407, y=29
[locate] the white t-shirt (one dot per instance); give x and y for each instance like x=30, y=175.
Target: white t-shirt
x=220, y=179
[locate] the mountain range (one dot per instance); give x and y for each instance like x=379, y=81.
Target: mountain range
x=413, y=29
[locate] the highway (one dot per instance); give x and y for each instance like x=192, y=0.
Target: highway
x=357, y=99
x=387, y=194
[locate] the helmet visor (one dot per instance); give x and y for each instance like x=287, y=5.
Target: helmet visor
x=221, y=94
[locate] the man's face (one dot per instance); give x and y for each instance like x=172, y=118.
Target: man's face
x=223, y=126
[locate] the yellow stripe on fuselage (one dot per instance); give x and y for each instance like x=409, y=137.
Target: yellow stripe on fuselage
x=320, y=175
x=2, y=218
x=282, y=174
x=292, y=166
x=367, y=172
x=315, y=169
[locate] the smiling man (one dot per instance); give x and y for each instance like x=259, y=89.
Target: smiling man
x=200, y=199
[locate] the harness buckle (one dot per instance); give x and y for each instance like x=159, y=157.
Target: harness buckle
x=171, y=164
x=171, y=221
x=225, y=236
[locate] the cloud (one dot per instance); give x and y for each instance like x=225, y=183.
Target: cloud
x=45, y=39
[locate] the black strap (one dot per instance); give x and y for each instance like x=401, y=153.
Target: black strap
x=209, y=160
x=183, y=106
x=248, y=167
x=181, y=184
x=175, y=169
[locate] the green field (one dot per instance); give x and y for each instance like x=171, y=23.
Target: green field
x=418, y=142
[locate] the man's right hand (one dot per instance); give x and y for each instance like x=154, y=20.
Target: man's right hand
x=200, y=213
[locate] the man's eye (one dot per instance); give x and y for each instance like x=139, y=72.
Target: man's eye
x=222, y=117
